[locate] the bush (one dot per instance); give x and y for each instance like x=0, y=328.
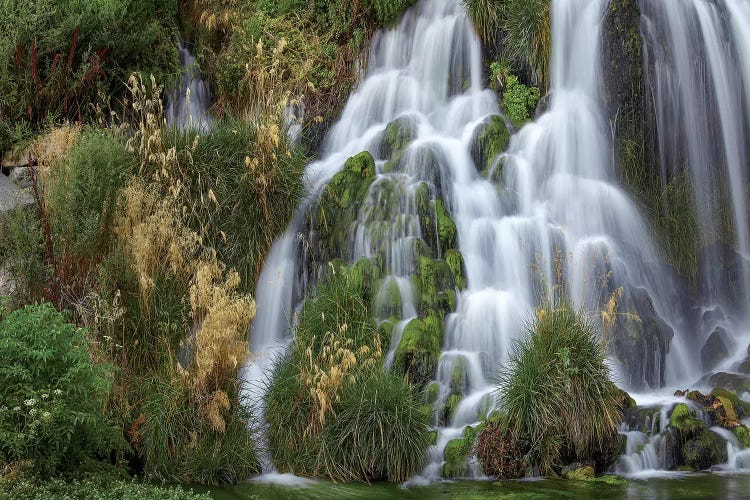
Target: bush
x=499, y=452
x=22, y=253
x=519, y=101
x=332, y=411
x=52, y=396
x=94, y=487
x=83, y=191
x=56, y=55
x=557, y=397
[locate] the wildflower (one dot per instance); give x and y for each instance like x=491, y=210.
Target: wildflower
x=45, y=396
x=57, y=392
x=30, y=402
x=17, y=408
x=46, y=416
x=32, y=412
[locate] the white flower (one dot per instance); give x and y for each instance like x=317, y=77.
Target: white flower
x=30, y=402
x=46, y=415
x=32, y=412
x=17, y=408
x=57, y=392
x=45, y=396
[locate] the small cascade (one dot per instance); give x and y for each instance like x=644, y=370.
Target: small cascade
x=738, y=457
x=188, y=102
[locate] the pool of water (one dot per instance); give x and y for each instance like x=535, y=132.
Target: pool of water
x=702, y=485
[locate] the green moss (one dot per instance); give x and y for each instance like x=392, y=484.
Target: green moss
x=458, y=375
x=417, y=354
x=519, y=101
x=456, y=458
x=388, y=300
x=738, y=404
x=579, y=473
x=451, y=404
x=493, y=140
x=397, y=136
x=743, y=436
x=446, y=228
x=683, y=420
x=703, y=451
x=431, y=393
x=455, y=262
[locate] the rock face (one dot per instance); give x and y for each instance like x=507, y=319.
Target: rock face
x=11, y=196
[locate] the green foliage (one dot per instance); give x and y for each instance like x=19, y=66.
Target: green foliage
x=56, y=55
x=177, y=446
x=98, y=487
x=556, y=391
x=52, y=395
x=376, y=428
x=519, y=101
x=83, y=192
x=21, y=253
x=525, y=28
x=239, y=207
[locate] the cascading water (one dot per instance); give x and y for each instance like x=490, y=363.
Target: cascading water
x=697, y=62
x=550, y=220
x=189, y=101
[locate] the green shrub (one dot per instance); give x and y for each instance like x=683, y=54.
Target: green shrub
x=83, y=191
x=519, y=101
x=332, y=411
x=52, y=395
x=556, y=393
x=56, y=55
x=22, y=253
x=94, y=487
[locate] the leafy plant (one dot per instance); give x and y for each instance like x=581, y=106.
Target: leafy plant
x=52, y=396
x=556, y=393
x=519, y=101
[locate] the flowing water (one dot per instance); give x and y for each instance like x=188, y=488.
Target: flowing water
x=556, y=221
x=189, y=101
x=697, y=62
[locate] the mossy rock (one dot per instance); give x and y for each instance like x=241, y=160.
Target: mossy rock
x=352, y=183
x=456, y=456
x=730, y=381
x=447, y=300
x=458, y=375
x=433, y=438
x=742, y=433
x=396, y=138
x=455, y=262
x=740, y=407
x=490, y=139
x=684, y=421
x=388, y=300
x=446, y=228
x=417, y=354
x=703, y=451
x=451, y=404
x=432, y=393
x=578, y=472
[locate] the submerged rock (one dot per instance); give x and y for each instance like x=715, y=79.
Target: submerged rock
x=578, y=471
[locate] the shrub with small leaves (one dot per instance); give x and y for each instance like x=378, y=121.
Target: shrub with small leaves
x=52, y=395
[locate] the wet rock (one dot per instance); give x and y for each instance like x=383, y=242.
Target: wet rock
x=683, y=420
x=396, y=138
x=11, y=197
x=703, y=451
x=455, y=261
x=578, y=471
x=736, y=383
x=716, y=349
x=457, y=454
x=418, y=352
x=641, y=339
x=726, y=270
x=490, y=138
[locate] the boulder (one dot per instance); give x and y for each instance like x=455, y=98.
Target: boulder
x=418, y=351
x=703, y=451
x=11, y=196
x=578, y=471
x=22, y=176
x=716, y=349
x=490, y=138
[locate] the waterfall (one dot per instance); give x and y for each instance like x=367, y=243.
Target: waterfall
x=555, y=220
x=697, y=63
x=188, y=102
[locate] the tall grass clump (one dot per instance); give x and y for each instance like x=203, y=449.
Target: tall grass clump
x=556, y=394
x=332, y=411
x=525, y=28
